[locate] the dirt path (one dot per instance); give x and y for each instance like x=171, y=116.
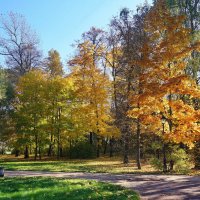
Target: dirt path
x=154, y=187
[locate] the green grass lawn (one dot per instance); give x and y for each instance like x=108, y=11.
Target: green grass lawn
x=103, y=164
x=107, y=165
x=39, y=188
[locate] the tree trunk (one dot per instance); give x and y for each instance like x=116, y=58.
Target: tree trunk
x=126, y=145
x=61, y=151
x=164, y=158
x=58, y=147
x=126, y=121
x=105, y=146
x=98, y=147
x=70, y=148
x=91, y=138
x=36, y=137
x=39, y=151
x=138, y=145
x=171, y=167
x=17, y=152
x=164, y=153
x=36, y=147
x=50, y=151
x=197, y=155
x=30, y=149
x=26, y=152
x=111, y=146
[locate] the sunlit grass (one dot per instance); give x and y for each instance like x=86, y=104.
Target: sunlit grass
x=56, y=188
x=103, y=164
x=108, y=165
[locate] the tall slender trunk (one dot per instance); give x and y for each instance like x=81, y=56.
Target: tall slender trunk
x=36, y=146
x=58, y=145
x=70, y=148
x=126, y=144
x=138, y=145
x=98, y=131
x=61, y=151
x=197, y=155
x=164, y=152
x=127, y=128
x=26, y=152
x=105, y=146
x=17, y=152
x=39, y=152
x=36, y=137
x=50, y=151
x=58, y=139
x=98, y=147
x=91, y=138
x=30, y=149
x=170, y=124
x=111, y=146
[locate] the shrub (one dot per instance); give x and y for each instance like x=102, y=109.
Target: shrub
x=82, y=149
x=156, y=163
x=181, y=160
x=177, y=156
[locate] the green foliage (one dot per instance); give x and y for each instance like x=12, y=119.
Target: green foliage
x=178, y=156
x=54, y=65
x=52, y=188
x=82, y=149
x=157, y=163
x=6, y=110
x=181, y=160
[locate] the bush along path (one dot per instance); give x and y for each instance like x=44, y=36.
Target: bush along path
x=155, y=187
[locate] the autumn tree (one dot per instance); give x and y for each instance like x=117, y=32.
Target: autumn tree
x=93, y=93
x=122, y=27
x=102, y=56
x=30, y=105
x=164, y=79
x=54, y=68
x=96, y=37
x=111, y=55
x=53, y=63
x=58, y=98
x=190, y=8
x=129, y=30
x=19, y=44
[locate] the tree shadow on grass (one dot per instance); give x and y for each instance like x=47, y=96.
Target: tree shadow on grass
x=51, y=189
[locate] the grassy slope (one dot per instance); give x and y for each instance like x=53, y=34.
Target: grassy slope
x=56, y=188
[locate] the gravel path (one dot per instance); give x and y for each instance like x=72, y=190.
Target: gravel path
x=153, y=187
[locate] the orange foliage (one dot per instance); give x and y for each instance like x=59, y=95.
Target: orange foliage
x=165, y=88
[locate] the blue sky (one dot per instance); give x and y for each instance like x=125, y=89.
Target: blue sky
x=59, y=23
